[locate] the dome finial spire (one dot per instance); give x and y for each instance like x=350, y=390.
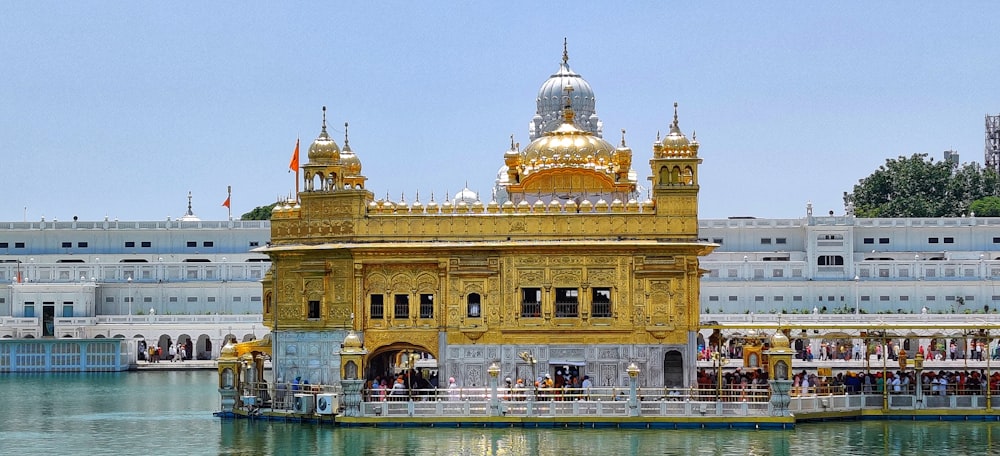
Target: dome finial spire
x=565, y=52
x=623, y=137
x=324, y=119
x=512, y=141
x=675, y=116
x=347, y=144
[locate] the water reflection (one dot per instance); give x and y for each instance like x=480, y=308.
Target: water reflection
x=846, y=438
x=171, y=413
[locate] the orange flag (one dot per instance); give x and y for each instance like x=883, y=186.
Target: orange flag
x=226, y=203
x=294, y=165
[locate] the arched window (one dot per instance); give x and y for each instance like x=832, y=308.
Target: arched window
x=473, y=305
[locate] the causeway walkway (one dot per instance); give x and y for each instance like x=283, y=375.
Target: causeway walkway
x=193, y=364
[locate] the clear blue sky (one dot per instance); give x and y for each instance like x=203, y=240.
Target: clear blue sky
x=120, y=108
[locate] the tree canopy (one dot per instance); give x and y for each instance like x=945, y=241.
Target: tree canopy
x=918, y=186
x=986, y=207
x=259, y=213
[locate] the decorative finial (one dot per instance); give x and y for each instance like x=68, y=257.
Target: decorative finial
x=565, y=52
x=346, y=142
x=190, y=212
x=512, y=142
x=623, y=137
x=694, y=135
x=568, y=110
x=432, y=196
x=657, y=135
x=418, y=196
x=324, y=119
x=675, y=114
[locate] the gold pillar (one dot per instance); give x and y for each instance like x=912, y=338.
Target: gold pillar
x=229, y=376
x=779, y=357
x=352, y=358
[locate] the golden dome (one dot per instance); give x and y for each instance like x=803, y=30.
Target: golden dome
x=567, y=146
x=228, y=350
x=352, y=343
x=675, y=144
x=779, y=340
x=512, y=158
x=351, y=162
x=324, y=150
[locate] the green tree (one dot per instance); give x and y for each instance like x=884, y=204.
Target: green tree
x=986, y=207
x=259, y=213
x=918, y=186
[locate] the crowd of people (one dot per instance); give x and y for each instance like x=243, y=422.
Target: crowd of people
x=939, y=383
x=412, y=385
x=154, y=354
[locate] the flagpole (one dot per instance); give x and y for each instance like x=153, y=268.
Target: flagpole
x=229, y=199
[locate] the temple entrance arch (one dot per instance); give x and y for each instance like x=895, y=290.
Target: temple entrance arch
x=399, y=358
x=673, y=369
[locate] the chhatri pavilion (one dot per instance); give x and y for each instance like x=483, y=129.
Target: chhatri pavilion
x=568, y=265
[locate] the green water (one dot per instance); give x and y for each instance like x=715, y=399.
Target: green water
x=171, y=413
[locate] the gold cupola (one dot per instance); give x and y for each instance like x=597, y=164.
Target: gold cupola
x=675, y=144
x=329, y=168
x=351, y=162
x=567, y=146
x=324, y=151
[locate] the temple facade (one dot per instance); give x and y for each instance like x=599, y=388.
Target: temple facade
x=565, y=269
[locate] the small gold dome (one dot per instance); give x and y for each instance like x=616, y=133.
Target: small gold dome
x=352, y=343
x=512, y=157
x=779, y=340
x=324, y=150
x=675, y=144
x=228, y=350
x=351, y=162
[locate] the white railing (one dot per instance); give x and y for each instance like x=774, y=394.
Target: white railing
x=594, y=402
x=180, y=319
x=794, y=319
x=604, y=402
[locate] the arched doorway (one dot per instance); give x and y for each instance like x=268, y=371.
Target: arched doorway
x=203, y=348
x=415, y=364
x=184, y=341
x=673, y=369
